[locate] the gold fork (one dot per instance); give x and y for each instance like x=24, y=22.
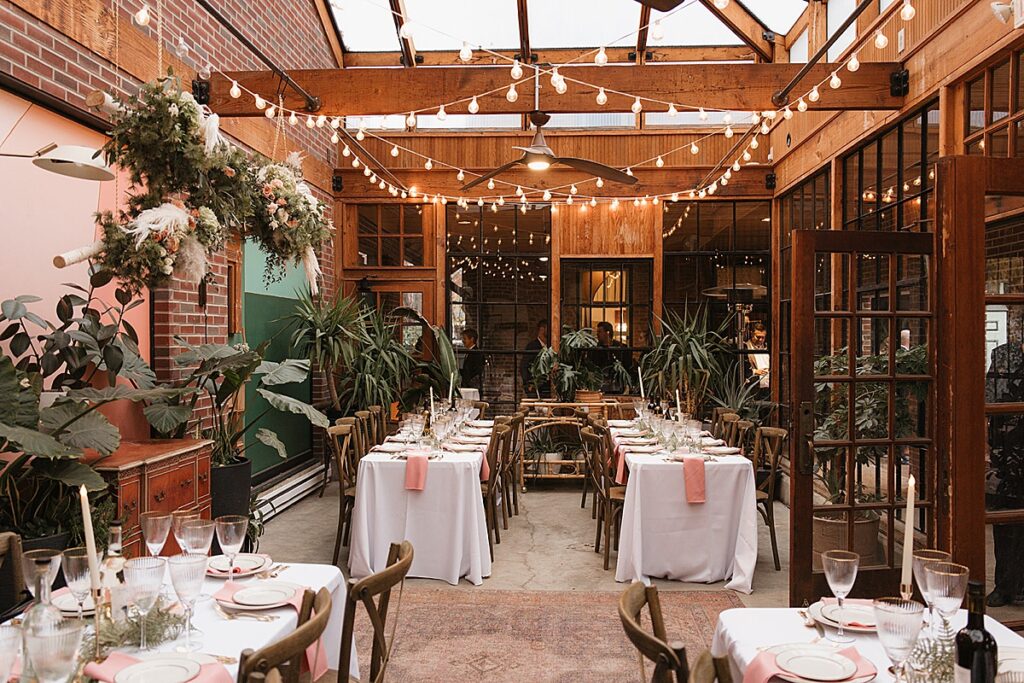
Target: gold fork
x=231, y=616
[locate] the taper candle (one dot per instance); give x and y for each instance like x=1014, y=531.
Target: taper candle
x=431, y=403
x=908, y=536
x=90, y=539
x=640, y=374
x=679, y=407
x=451, y=386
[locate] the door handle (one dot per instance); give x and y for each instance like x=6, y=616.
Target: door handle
x=806, y=455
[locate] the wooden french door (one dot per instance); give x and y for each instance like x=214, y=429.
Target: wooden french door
x=862, y=373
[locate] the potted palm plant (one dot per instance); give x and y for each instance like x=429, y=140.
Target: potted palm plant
x=570, y=370
x=374, y=371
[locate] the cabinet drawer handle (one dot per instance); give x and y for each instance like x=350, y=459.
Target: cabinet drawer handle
x=186, y=483
x=202, y=478
x=160, y=497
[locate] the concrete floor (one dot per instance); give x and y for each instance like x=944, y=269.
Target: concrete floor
x=549, y=546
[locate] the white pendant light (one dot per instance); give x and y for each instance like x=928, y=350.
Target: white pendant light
x=73, y=161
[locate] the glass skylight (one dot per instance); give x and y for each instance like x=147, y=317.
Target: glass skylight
x=690, y=24
x=444, y=24
x=778, y=15
x=582, y=23
x=365, y=25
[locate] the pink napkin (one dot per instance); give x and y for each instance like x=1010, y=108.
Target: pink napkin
x=316, y=656
x=693, y=473
x=209, y=673
x=485, y=469
x=416, y=470
x=860, y=602
x=620, y=465
x=764, y=667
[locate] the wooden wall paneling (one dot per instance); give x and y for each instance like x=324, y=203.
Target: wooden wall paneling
x=602, y=232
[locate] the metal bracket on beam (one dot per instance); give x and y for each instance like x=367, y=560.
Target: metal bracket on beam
x=532, y=60
x=899, y=83
x=201, y=91
x=401, y=60
x=769, y=36
x=632, y=55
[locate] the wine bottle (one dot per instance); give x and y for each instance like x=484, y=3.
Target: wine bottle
x=115, y=592
x=975, y=647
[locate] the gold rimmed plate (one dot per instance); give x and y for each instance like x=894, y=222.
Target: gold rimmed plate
x=817, y=613
x=246, y=564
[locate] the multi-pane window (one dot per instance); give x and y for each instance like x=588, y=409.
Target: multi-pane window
x=617, y=292
x=498, y=284
x=390, y=235
x=888, y=181
x=994, y=115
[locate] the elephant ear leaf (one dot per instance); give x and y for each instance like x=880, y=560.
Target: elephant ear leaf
x=166, y=417
x=70, y=472
x=89, y=429
x=269, y=438
x=293, y=405
x=286, y=372
x=18, y=405
x=36, y=443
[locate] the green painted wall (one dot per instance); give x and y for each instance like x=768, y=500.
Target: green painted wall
x=262, y=307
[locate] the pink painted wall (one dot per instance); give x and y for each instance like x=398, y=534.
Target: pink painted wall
x=45, y=214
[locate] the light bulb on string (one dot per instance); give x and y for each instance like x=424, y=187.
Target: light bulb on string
x=235, y=91
x=490, y=184
x=736, y=166
x=394, y=151
x=907, y=12
x=334, y=138
x=474, y=106
x=561, y=87
x=405, y=30
x=602, y=98
x=441, y=113
x=692, y=194
x=854, y=63
x=321, y=121
x=675, y=196
x=360, y=134
x=728, y=132
x=428, y=164
x=517, y=70
x=672, y=111
x=765, y=128
x=568, y=200
x=727, y=119
x=142, y=17
x=335, y=123
x=271, y=112
x=410, y=120
x=657, y=32
x=881, y=41
x=355, y=162
x=259, y=102
x=600, y=182
x=615, y=203
x=522, y=199
x=480, y=201
x=814, y=95
x=601, y=58
x=346, y=152
x=461, y=175
x=835, y=82
x=754, y=144
x=727, y=174
x=555, y=77
x=519, y=191
x=724, y=180
x=755, y=117
x=656, y=200
x=522, y=209
x=501, y=201
x=382, y=185
x=593, y=201
x=801, y=105
x=405, y=195
x=703, y=114
x=573, y=190
x=746, y=155
x=694, y=149
x=636, y=202
x=310, y=121
x=369, y=174
x=466, y=52
x=637, y=106
x=293, y=119
x=721, y=4
x=659, y=162
x=547, y=195
x=512, y=95
x=629, y=172
x=787, y=113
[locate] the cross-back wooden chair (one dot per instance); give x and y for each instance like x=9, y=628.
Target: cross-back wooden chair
x=363, y=420
x=12, y=583
x=340, y=443
x=726, y=426
x=767, y=451
x=716, y=417
x=482, y=406
x=584, y=419
x=378, y=424
x=708, y=669
x=363, y=592
x=286, y=654
x=610, y=497
x=669, y=657
x=740, y=433
x=510, y=473
x=497, y=451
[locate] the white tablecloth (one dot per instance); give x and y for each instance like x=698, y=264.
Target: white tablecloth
x=741, y=634
x=229, y=638
x=664, y=536
x=444, y=522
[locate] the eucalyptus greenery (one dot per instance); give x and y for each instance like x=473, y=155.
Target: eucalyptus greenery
x=162, y=625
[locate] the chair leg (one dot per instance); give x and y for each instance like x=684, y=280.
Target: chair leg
x=494, y=517
x=593, y=509
x=348, y=523
x=597, y=538
x=616, y=525
x=516, y=468
x=489, y=521
x=586, y=481
x=771, y=532
x=327, y=476
x=504, y=503
x=608, y=515
x=341, y=531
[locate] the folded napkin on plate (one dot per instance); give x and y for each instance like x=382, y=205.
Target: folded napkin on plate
x=853, y=602
x=416, y=470
x=722, y=450
x=223, y=572
x=465, y=447
x=109, y=668
x=462, y=438
x=637, y=441
x=627, y=433
x=641, y=448
x=764, y=667
x=391, y=447
x=315, y=660
x=620, y=423
x=693, y=475
x=711, y=441
x=476, y=431
x=486, y=424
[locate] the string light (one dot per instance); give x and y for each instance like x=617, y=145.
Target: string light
x=346, y=152
x=441, y=113
x=703, y=114
x=881, y=41
x=428, y=165
x=907, y=12
x=461, y=175
x=360, y=134
x=599, y=182
x=854, y=63
x=660, y=162
x=629, y=172
x=142, y=17
x=321, y=121
x=512, y=95
x=573, y=190
x=410, y=120
x=694, y=149
x=814, y=95
x=657, y=33
x=601, y=58
x=787, y=113
x=602, y=98
x=593, y=201
x=519, y=191
x=405, y=31
x=334, y=138
x=355, y=162
x=336, y=123
x=672, y=111
x=736, y=166
x=466, y=53
x=259, y=102
x=746, y=155
x=728, y=131
x=293, y=119
x=490, y=184
x=637, y=106
x=474, y=106
x=517, y=71
x=801, y=105
x=235, y=91
x=394, y=151
x=754, y=144
x=270, y=112
x=721, y=4
x=835, y=81
x=310, y=122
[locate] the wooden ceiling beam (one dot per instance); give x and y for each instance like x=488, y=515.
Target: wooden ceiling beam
x=694, y=53
x=398, y=13
x=642, y=33
x=330, y=31
x=525, y=54
x=743, y=87
x=746, y=26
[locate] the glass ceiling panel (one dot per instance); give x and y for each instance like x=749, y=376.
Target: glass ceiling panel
x=365, y=26
x=778, y=15
x=691, y=24
x=578, y=23
x=494, y=24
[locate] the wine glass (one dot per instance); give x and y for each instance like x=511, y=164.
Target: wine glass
x=10, y=648
x=144, y=577
x=921, y=558
x=947, y=583
x=30, y=559
x=230, y=535
x=53, y=654
x=841, y=572
x=155, y=527
x=196, y=536
x=179, y=517
x=898, y=623
x=187, y=573
x=76, y=575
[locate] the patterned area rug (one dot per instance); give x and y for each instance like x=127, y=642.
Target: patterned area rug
x=496, y=636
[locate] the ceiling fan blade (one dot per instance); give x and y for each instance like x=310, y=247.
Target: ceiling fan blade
x=606, y=172
x=487, y=176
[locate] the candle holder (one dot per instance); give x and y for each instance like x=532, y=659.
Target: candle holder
x=907, y=591
x=97, y=615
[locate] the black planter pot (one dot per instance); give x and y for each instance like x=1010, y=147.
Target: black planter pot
x=230, y=490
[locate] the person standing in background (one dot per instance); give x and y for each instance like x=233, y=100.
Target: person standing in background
x=473, y=364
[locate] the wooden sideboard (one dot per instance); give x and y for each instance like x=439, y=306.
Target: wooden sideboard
x=160, y=475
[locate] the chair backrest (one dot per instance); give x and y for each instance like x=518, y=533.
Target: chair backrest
x=482, y=406
x=767, y=452
x=364, y=427
x=594, y=447
x=726, y=425
x=739, y=433
x=339, y=438
x=359, y=446
x=708, y=669
x=286, y=654
x=497, y=453
x=669, y=657
x=378, y=422
x=12, y=583
x=518, y=424
x=716, y=417
x=605, y=463
x=364, y=591
x=502, y=420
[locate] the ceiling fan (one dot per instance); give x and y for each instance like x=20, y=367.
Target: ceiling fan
x=539, y=157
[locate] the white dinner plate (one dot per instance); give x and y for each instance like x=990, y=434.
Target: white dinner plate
x=472, y=439
x=620, y=423
x=721, y=450
x=1011, y=659
x=815, y=611
x=463, y=447
x=627, y=433
x=476, y=431
x=164, y=669
x=391, y=447
x=864, y=615
x=246, y=564
x=816, y=664
x=488, y=424
x=67, y=604
x=266, y=594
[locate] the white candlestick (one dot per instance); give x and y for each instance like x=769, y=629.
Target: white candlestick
x=451, y=386
x=908, y=536
x=640, y=374
x=431, y=401
x=679, y=407
x=90, y=540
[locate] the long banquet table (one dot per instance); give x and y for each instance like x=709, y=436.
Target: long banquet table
x=744, y=633
x=664, y=536
x=444, y=522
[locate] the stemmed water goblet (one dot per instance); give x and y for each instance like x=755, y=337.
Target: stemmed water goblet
x=76, y=575
x=898, y=623
x=178, y=518
x=231, y=535
x=187, y=573
x=53, y=653
x=947, y=584
x=921, y=558
x=31, y=560
x=196, y=539
x=155, y=527
x=10, y=648
x=144, y=577
x=841, y=572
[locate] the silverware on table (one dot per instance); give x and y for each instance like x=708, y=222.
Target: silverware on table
x=231, y=616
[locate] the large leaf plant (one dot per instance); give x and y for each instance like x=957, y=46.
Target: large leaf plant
x=570, y=368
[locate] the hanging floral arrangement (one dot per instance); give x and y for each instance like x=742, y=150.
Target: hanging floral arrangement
x=288, y=222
